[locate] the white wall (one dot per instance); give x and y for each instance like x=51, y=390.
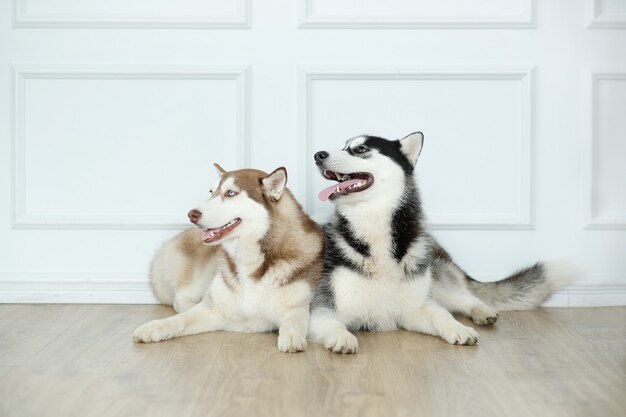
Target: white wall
x=112, y=112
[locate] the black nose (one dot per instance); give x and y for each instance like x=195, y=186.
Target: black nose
x=194, y=215
x=320, y=156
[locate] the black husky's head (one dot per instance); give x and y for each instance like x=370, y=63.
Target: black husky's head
x=369, y=167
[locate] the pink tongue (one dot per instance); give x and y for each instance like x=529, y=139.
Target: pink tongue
x=327, y=192
x=208, y=234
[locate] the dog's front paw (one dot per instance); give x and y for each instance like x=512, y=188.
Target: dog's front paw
x=342, y=342
x=460, y=335
x=484, y=316
x=154, y=331
x=291, y=341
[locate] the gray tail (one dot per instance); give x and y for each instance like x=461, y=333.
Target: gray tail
x=527, y=288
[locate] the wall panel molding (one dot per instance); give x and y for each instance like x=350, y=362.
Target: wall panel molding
x=524, y=18
x=21, y=218
x=523, y=74
x=596, y=18
x=591, y=77
x=23, y=18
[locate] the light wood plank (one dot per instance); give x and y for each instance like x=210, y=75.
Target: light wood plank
x=80, y=360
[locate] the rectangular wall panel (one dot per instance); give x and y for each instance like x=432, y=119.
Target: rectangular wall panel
x=416, y=14
x=120, y=147
x=476, y=168
x=605, y=189
x=131, y=14
x=605, y=14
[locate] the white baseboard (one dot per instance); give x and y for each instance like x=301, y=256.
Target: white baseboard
x=599, y=295
x=73, y=288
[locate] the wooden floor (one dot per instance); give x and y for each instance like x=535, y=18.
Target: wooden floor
x=79, y=360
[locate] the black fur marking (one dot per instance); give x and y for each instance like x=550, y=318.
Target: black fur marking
x=527, y=278
x=362, y=327
x=363, y=155
x=324, y=295
x=391, y=149
x=344, y=229
x=406, y=223
x=441, y=262
x=417, y=269
x=334, y=258
x=439, y=254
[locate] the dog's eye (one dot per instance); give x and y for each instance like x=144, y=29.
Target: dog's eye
x=361, y=149
x=211, y=192
x=231, y=193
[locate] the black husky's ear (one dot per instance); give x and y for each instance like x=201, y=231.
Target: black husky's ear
x=274, y=184
x=220, y=171
x=411, y=146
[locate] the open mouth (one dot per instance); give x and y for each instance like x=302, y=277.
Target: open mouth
x=211, y=235
x=348, y=183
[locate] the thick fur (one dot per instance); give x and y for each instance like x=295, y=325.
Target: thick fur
x=258, y=277
x=383, y=271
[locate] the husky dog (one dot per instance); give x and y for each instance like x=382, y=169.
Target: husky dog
x=249, y=266
x=383, y=271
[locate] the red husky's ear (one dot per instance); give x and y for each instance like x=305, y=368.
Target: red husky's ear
x=274, y=184
x=220, y=171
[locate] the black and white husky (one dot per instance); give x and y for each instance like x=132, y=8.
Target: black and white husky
x=384, y=271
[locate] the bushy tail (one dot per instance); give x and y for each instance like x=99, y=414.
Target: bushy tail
x=527, y=288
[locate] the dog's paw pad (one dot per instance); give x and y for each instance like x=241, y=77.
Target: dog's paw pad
x=342, y=342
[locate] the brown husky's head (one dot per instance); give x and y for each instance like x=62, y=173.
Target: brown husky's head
x=239, y=205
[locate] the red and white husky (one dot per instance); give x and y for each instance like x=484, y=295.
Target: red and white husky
x=250, y=265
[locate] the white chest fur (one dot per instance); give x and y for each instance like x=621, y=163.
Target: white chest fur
x=257, y=305
x=376, y=303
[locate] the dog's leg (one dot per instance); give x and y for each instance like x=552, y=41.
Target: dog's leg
x=451, y=292
x=293, y=329
x=325, y=328
x=185, y=299
x=466, y=303
x=433, y=319
x=200, y=318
